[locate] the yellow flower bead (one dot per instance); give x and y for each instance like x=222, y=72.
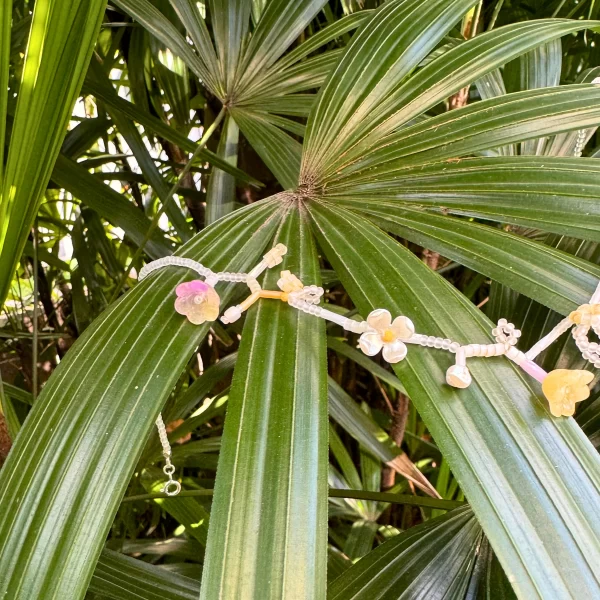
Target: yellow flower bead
x=564, y=387
x=583, y=315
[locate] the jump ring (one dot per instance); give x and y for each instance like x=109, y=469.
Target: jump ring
x=172, y=488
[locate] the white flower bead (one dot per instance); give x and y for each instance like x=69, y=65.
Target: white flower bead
x=394, y=352
x=370, y=343
x=380, y=319
x=387, y=335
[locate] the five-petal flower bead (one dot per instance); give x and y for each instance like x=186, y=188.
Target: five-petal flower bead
x=387, y=335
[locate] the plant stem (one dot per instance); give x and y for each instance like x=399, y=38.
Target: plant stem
x=35, y=340
x=333, y=493
x=170, y=197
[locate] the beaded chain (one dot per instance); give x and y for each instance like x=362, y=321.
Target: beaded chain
x=200, y=303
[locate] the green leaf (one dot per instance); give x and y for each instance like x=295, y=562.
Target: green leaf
x=337, y=563
x=344, y=411
x=479, y=126
x=297, y=105
x=151, y=123
x=230, y=21
x=364, y=361
x=61, y=485
x=189, y=14
x=432, y=560
x=307, y=75
x=109, y=204
x=344, y=460
x=268, y=535
x=488, y=580
x=540, y=490
x=394, y=42
x=280, y=24
x=360, y=540
x=201, y=387
x=281, y=152
x=555, y=278
x=588, y=418
x=10, y=416
x=45, y=256
x=215, y=408
x=146, y=164
x=123, y=578
x=83, y=136
x=451, y=71
x=6, y=10
x=541, y=67
x=220, y=194
x=554, y=194
x=16, y=393
x=282, y=122
x=327, y=34
x=393, y=498
x=160, y=27
x=186, y=511
x=100, y=241
x=60, y=44
x=144, y=160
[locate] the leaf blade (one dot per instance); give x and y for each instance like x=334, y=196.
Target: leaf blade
x=60, y=45
x=554, y=194
x=87, y=450
x=543, y=458
x=274, y=423
x=394, y=41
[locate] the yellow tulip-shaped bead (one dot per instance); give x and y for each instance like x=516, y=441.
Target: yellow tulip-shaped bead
x=563, y=388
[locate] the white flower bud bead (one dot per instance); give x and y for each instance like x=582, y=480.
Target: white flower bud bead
x=231, y=315
x=458, y=376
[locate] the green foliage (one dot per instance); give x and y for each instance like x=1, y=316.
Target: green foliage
x=412, y=155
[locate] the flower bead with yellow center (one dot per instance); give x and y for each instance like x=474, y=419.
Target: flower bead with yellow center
x=198, y=301
x=584, y=314
x=564, y=387
x=387, y=335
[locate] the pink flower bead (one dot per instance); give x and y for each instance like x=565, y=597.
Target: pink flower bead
x=198, y=301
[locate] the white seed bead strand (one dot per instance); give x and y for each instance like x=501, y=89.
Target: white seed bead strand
x=174, y=261
x=253, y=285
x=308, y=298
x=171, y=487
x=356, y=326
x=516, y=356
x=506, y=333
x=232, y=277
x=580, y=143
x=484, y=350
x=589, y=350
x=433, y=342
x=304, y=306
x=271, y=259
